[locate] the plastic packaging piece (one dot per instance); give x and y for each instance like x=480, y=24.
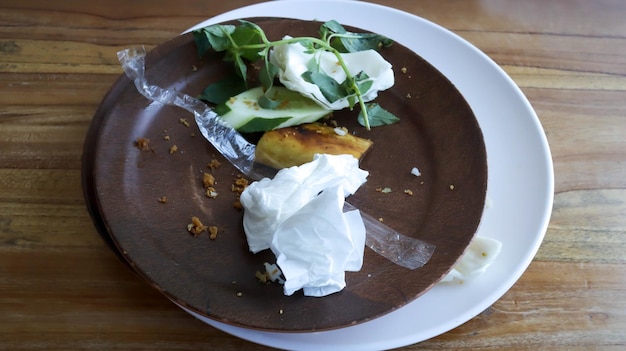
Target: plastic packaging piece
x=405, y=251
x=400, y=249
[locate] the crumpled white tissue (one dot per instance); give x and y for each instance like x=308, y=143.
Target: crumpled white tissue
x=298, y=215
x=314, y=257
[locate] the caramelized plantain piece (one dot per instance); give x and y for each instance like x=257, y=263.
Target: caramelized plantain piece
x=293, y=146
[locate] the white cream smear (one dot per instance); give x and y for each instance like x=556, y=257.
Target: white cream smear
x=298, y=215
x=479, y=255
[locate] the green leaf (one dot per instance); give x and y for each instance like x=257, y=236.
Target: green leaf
x=268, y=103
x=220, y=91
x=377, y=116
x=222, y=109
x=247, y=34
x=201, y=41
x=363, y=83
x=267, y=74
x=259, y=124
x=345, y=41
x=242, y=68
x=329, y=87
x=333, y=26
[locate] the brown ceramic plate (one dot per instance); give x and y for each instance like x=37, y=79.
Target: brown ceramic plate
x=438, y=133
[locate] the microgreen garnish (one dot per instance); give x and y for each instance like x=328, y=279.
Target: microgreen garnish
x=247, y=42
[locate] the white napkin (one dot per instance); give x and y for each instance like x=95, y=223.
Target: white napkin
x=298, y=214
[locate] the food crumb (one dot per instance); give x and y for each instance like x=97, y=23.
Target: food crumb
x=403, y=69
x=173, y=149
x=211, y=193
x=143, y=144
x=416, y=172
x=380, y=219
x=214, y=164
x=196, y=227
x=184, y=122
x=280, y=311
x=386, y=190
x=408, y=95
x=262, y=277
x=237, y=205
x=239, y=294
x=451, y=186
x=213, y=232
x=166, y=137
x=162, y=199
x=208, y=180
x=239, y=185
x=408, y=192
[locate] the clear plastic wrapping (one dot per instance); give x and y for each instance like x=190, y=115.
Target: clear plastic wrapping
x=405, y=251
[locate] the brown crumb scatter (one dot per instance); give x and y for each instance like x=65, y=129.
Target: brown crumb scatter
x=213, y=232
x=196, y=227
x=163, y=199
x=208, y=180
x=239, y=185
x=173, y=149
x=184, y=122
x=214, y=164
x=408, y=192
x=143, y=144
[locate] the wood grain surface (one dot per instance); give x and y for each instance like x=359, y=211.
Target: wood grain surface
x=61, y=288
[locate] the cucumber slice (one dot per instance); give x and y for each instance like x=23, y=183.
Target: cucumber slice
x=243, y=112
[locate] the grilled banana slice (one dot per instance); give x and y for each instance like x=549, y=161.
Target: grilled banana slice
x=293, y=146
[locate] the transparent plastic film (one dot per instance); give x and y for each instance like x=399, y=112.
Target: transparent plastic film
x=224, y=138
x=405, y=251
x=400, y=249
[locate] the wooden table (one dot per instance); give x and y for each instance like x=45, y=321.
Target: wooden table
x=62, y=288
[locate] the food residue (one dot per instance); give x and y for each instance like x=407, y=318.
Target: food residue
x=184, y=122
x=214, y=164
x=196, y=227
x=143, y=144
x=213, y=232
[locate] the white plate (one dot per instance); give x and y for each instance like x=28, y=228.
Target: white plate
x=520, y=185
